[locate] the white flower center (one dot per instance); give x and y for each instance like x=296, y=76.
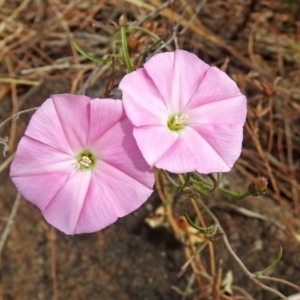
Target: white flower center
x=85, y=161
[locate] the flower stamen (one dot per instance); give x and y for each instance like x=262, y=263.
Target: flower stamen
x=85, y=161
x=177, y=122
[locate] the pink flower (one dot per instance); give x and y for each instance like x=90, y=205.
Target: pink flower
x=79, y=163
x=187, y=115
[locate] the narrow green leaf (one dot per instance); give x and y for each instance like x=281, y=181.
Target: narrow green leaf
x=125, y=50
x=273, y=264
x=89, y=56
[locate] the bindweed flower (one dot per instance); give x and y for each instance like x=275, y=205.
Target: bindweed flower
x=187, y=115
x=79, y=163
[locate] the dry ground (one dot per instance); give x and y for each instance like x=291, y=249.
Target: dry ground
x=257, y=42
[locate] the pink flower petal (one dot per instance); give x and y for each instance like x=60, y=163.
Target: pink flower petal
x=228, y=111
x=175, y=77
x=104, y=114
x=179, y=158
x=191, y=152
x=129, y=193
x=40, y=189
x=154, y=141
x=118, y=148
x=45, y=127
x=36, y=158
x=98, y=210
x=101, y=198
x=39, y=171
x=215, y=86
x=141, y=98
x=112, y=194
x=225, y=142
x=159, y=72
x=73, y=113
x=61, y=122
x=64, y=209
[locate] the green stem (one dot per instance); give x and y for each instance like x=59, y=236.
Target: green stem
x=201, y=184
x=234, y=195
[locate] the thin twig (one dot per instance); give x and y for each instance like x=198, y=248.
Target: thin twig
x=53, y=263
x=19, y=81
x=10, y=222
x=154, y=12
x=174, y=32
x=189, y=286
x=197, y=10
x=18, y=114
x=55, y=67
x=89, y=80
x=6, y=163
x=296, y=287
x=186, y=264
x=242, y=291
x=248, y=213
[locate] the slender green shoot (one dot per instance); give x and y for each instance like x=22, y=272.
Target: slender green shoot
x=201, y=229
x=273, y=264
x=89, y=56
x=125, y=50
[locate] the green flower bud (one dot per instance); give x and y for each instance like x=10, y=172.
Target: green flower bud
x=258, y=186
